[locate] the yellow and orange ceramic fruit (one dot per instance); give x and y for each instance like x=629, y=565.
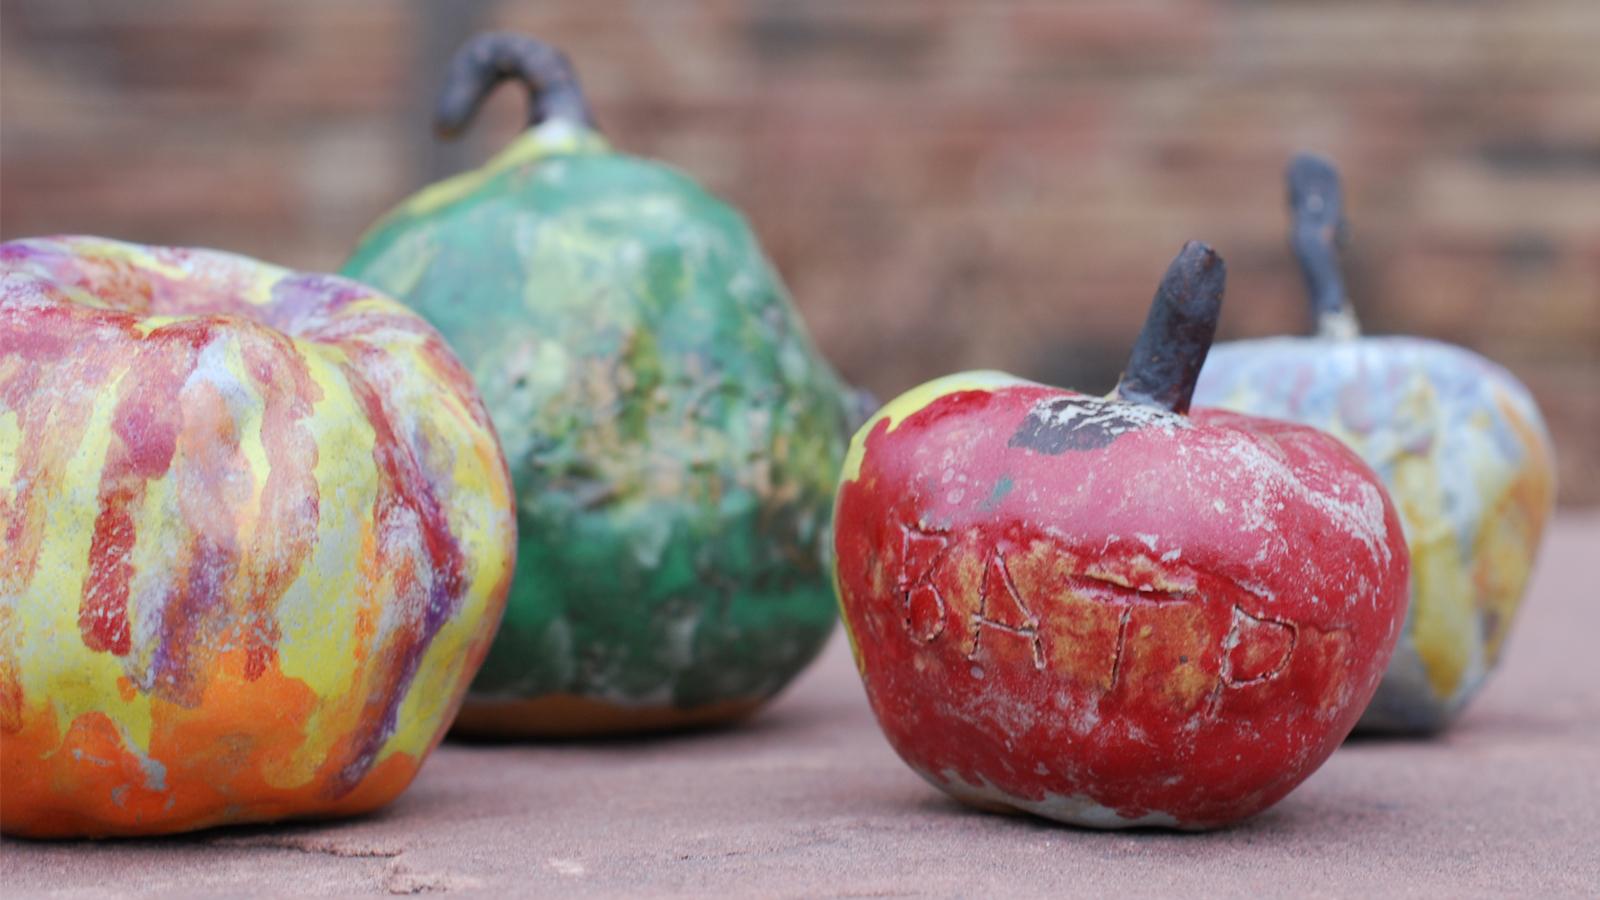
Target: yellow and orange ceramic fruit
x=257, y=537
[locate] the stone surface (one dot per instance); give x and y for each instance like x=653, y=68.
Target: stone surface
x=807, y=800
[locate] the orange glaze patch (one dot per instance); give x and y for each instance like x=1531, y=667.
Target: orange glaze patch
x=203, y=763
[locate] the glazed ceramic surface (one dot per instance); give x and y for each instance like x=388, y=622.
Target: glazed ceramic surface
x=1462, y=449
x=1113, y=611
x=672, y=432
x=1171, y=623
x=258, y=534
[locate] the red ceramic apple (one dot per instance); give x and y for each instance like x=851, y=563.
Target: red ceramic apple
x=1108, y=610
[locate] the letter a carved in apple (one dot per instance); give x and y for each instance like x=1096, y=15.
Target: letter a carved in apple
x=1111, y=611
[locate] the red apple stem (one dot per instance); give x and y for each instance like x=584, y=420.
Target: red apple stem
x=1177, y=333
x=1316, y=204
x=488, y=59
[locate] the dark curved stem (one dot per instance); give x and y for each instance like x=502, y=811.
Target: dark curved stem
x=488, y=59
x=1317, y=205
x=1177, y=334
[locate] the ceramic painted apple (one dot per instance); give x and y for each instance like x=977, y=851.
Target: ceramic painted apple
x=1112, y=611
x=258, y=535
x=1457, y=440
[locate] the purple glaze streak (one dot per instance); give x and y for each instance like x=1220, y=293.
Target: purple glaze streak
x=405, y=486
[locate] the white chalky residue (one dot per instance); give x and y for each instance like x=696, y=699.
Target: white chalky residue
x=677, y=644
x=1361, y=518
x=1004, y=714
x=1074, y=809
x=150, y=586
x=1084, y=718
x=155, y=774
x=26, y=292
x=401, y=527
x=1114, y=417
x=1257, y=588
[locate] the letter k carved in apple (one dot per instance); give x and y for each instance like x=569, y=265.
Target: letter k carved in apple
x=1112, y=611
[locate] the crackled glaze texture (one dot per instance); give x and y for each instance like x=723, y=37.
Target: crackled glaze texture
x=1462, y=450
x=1109, y=614
x=672, y=432
x=258, y=533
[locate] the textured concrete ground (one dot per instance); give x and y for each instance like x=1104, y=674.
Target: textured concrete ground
x=807, y=800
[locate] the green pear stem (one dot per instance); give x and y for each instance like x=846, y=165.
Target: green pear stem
x=488, y=59
x=1177, y=334
x=1316, y=204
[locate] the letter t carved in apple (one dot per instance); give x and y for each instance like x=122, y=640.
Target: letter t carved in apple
x=1114, y=611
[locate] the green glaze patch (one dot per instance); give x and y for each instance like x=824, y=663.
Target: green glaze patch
x=672, y=432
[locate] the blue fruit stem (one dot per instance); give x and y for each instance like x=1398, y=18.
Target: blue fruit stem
x=487, y=59
x=1316, y=205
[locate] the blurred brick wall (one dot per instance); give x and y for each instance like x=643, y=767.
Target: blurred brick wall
x=944, y=184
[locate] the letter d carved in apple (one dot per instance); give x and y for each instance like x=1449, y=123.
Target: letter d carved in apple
x=1114, y=611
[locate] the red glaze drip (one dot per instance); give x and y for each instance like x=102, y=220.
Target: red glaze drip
x=145, y=427
x=40, y=339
